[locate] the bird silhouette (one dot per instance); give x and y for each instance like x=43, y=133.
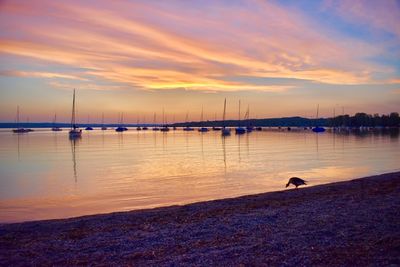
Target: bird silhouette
x=296, y=181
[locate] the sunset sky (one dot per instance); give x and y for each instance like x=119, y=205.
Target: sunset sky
x=280, y=57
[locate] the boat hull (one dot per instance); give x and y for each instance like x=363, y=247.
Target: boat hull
x=121, y=129
x=75, y=133
x=318, y=129
x=240, y=130
x=21, y=130
x=226, y=132
x=203, y=129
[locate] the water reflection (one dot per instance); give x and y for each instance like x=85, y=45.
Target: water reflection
x=224, y=152
x=74, y=141
x=122, y=171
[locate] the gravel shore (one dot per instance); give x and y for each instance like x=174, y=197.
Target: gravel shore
x=353, y=223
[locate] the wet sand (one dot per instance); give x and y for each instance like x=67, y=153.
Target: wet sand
x=349, y=223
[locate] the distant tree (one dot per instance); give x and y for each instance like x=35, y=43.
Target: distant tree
x=376, y=120
x=394, y=120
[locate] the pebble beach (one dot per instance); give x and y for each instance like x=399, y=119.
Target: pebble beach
x=351, y=223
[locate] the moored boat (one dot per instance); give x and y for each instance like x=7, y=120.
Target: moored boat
x=75, y=132
x=239, y=129
x=225, y=131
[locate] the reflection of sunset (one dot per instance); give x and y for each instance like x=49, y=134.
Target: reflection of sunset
x=133, y=170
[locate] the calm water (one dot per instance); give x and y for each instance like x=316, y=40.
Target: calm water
x=45, y=175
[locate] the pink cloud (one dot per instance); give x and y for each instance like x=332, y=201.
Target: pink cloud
x=152, y=45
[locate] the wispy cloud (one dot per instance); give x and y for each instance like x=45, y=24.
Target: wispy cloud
x=14, y=73
x=152, y=45
x=85, y=86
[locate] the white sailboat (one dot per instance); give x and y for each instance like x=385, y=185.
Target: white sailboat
x=102, y=122
x=138, y=128
x=75, y=131
x=155, y=128
x=121, y=127
x=249, y=128
x=216, y=128
x=20, y=129
x=88, y=128
x=225, y=131
x=165, y=127
x=318, y=129
x=239, y=129
x=55, y=128
x=187, y=128
x=202, y=129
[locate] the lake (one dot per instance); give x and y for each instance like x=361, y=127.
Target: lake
x=45, y=175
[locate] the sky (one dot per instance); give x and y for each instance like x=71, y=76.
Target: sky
x=279, y=58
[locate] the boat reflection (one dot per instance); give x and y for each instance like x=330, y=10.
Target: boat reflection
x=74, y=141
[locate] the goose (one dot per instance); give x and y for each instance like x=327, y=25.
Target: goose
x=296, y=181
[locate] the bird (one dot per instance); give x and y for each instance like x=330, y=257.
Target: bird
x=296, y=181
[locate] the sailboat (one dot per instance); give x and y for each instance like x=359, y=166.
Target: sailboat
x=20, y=129
x=121, y=128
x=239, y=129
x=165, y=127
x=225, y=131
x=173, y=122
x=88, y=128
x=144, y=128
x=202, y=129
x=249, y=128
x=75, y=132
x=102, y=122
x=187, y=128
x=215, y=128
x=155, y=128
x=55, y=128
x=318, y=129
x=138, y=128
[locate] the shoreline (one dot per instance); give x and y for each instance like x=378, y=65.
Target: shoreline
x=352, y=222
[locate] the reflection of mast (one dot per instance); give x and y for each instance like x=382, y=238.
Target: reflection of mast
x=240, y=158
x=73, y=150
x=19, y=155
x=202, y=147
x=224, y=152
x=120, y=139
x=247, y=145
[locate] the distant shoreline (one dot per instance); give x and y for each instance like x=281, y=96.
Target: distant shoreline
x=345, y=223
x=358, y=120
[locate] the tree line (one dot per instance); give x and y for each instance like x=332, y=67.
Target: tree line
x=364, y=119
x=358, y=120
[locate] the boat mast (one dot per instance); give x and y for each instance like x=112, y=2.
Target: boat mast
x=223, y=115
x=201, y=119
x=17, y=116
x=73, y=112
x=163, y=117
x=239, y=113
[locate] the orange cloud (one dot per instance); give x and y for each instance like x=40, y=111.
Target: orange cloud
x=41, y=75
x=123, y=45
